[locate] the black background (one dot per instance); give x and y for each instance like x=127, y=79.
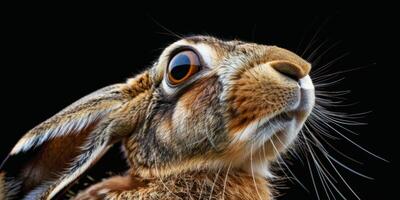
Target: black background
x=54, y=54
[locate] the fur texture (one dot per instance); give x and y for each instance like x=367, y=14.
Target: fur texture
x=223, y=184
x=245, y=98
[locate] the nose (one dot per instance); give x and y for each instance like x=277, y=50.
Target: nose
x=288, y=63
x=289, y=69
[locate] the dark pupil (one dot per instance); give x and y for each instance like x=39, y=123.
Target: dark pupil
x=180, y=66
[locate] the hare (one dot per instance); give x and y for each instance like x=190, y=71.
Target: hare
x=198, y=124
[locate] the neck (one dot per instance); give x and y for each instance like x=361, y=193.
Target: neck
x=223, y=184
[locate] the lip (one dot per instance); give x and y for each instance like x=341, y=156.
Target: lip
x=306, y=83
x=306, y=96
x=285, y=116
x=288, y=123
x=305, y=102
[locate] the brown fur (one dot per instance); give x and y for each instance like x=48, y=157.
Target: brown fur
x=177, y=139
x=235, y=185
x=3, y=189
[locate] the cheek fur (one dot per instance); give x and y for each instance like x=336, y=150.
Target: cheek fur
x=199, y=110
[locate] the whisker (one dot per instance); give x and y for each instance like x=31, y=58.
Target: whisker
x=252, y=172
x=225, y=180
x=340, y=176
x=213, y=185
x=313, y=39
x=287, y=167
x=201, y=190
x=329, y=158
x=325, y=152
x=312, y=178
x=303, y=37
x=348, y=168
x=165, y=28
x=312, y=123
x=336, y=150
x=324, y=67
x=293, y=153
x=321, y=165
x=187, y=188
x=316, y=61
x=162, y=181
x=316, y=164
x=282, y=169
x=323, y=177
x=352, y=142
x=317, y=49
x=343, y=71
x=336, y=118
x=327, y=83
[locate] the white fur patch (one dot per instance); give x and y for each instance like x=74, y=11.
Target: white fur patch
x=306, y=83
x=247, y=133
x=262, y=169
x=307, y=95
x=207, y=53
x=167, y=89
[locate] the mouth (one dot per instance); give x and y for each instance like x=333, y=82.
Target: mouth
x=292, y=120
x=304, y=102
x=285, y=125
x=276, y=134
x=307, y=94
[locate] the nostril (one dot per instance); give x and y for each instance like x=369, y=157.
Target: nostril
x=289, y=74
x=288, y=69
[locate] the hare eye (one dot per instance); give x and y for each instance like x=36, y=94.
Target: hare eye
x=182, y=66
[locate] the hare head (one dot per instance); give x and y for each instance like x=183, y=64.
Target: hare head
x=205, y=104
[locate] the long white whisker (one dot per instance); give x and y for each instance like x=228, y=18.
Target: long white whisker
x=312, y=178
x=278, y=162
x=340, y=176
x=325, y=152
x=313, y=39
x=320, y=129
x=201, y=190
x=343, y=71
x=160, y=178
x=327, y=83
x=336, y=150
x=321, y=165
x=213, y=185
x=322, y=176
x=293, y=153
x=326, y=66
x=355, y=144
x=287, y=167
x=226, y=179
x=316, y=49
x=315, y=62
x=252, y=172
x=316, y=161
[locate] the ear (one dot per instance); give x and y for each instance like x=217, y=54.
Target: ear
x=55, y=153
